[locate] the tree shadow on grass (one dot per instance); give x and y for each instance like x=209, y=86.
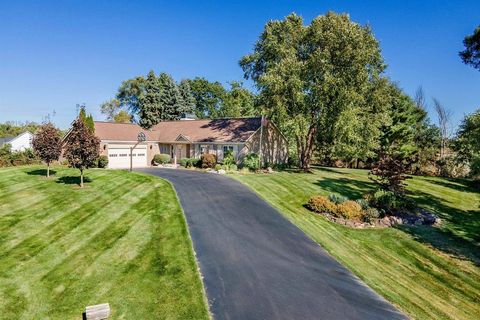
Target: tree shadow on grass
x=458, y=233
x=73, y=180
x=41, y=172
x=328, y=169
x=462, y=185
x=353, y=189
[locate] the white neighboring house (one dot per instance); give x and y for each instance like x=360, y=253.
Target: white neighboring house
x=19, y=143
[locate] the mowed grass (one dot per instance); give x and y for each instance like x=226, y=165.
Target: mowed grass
x=428, y=272
x=122, y=240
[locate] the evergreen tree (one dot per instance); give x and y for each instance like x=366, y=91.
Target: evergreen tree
x=187, y=104
x=170, y=99
x=149, y=107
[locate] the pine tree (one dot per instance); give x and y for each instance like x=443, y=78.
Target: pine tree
x=188, y=100
x=170, y=98
x=150, y=108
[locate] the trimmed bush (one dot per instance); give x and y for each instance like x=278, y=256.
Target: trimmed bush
x=209, y=160
x=102, y=162
x=185, y=162
x=321, y=204
x=251, y=161
x=337, y=199
x=162, y=158
x=233, y=167
x=349, y=210
x=218, y=166
x=197, y=163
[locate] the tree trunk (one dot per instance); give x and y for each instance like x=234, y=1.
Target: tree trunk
x=307, y=149
x=48, y=169
x=81, y=178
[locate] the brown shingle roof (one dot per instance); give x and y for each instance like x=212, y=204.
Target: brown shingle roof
x=205, y=130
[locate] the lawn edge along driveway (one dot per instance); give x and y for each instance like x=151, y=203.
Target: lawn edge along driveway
x=258, y=265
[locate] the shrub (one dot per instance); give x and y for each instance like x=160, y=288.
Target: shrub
x=233, y=167
x=370, y=213
x=196, y=162
x=228, y=158
x=218, y=166
x=184, y=162
x=208, y=160
x=162, y=158
x=349, y=210
x=251, y=161
x=363, y=203
x=336, y=198
x=102, y=162
x=321, y=204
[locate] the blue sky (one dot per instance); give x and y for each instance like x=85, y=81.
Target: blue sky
x=55, y=54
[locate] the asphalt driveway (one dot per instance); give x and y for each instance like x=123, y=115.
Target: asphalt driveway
x=258, y=265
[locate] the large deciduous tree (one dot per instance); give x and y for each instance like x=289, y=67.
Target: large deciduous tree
x=471, y=54
x=47, y=144
x=238, y=102
x=308, y=75
x=82, y=147
x=208, y=97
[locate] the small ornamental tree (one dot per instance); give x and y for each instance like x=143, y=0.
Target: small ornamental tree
x=47, y=144
x=389, y=173
x=82, y=147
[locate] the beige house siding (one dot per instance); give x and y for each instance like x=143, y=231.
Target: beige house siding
x=274, y=145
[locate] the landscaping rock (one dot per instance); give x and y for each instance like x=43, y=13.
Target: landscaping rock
x=221, y=171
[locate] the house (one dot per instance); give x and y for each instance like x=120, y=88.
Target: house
x=19, y=143
x=191, y=139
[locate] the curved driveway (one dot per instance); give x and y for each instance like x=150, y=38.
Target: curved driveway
x=258, y=265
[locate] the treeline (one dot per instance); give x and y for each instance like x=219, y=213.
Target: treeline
x=152, y=99
x=14, y=128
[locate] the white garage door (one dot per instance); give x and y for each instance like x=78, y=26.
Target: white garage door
x=119, y=158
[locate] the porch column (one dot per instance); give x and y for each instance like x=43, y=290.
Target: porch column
x=175, y=154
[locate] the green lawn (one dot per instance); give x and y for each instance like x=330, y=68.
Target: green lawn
x=429, y=273
x=122, y=240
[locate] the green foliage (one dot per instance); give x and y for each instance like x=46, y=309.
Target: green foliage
x=363, y=203
x=110, y=108
x=20, y=158
x=237, y=102
x=148, y=105
x=171, y=103
x=370, y=213
x=233, y=167
x=308, y=75
x=13, y=129
x=228, y=158
x=251, y=161
x=336, y=198
x=187, y=98
x=186, y=162
x=208, y=97
x=209, y=160
x=87, y=119
x=218, y=166
x=162, y=158
x=471, y=54
x=466, y=143
x=102, y=162
x=122, y=117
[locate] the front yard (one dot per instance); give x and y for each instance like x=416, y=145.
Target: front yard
x=429, y=273
x=122, y=240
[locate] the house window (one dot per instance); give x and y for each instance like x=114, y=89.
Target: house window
x=227, y=148
x=164, y=149
x=203, y=149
